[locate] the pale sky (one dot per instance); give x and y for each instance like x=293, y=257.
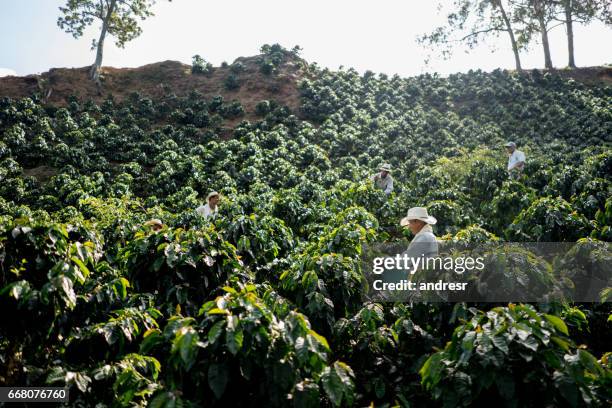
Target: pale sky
x=376, y=35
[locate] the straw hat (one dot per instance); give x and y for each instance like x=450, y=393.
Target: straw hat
x=418, y=213
x=211, y=195
x=154, y=222
x=510, y=144
x=385, y=167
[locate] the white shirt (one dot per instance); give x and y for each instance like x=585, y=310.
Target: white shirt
x=515, y=157
x=205, y=210
x=385, y=184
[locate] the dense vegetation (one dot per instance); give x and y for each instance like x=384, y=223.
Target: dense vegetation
x=261, y=306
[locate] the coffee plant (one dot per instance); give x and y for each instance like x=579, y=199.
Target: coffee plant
x=261, y=305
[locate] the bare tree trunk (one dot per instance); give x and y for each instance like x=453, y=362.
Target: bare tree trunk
x=570, y=33
x=517, y=59
x=540, y=11
x=94, y=72
x=547, y=59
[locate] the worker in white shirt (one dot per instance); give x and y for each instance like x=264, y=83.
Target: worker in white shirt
x=210, y=208
x=383, y=180
x=516, y=160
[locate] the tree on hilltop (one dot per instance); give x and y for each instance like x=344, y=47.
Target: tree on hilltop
x=119, y=18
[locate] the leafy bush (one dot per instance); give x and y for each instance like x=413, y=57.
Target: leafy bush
x=475, y=365
x=239, y=339
x=200, y=66
x=296, y=208
x=231, y=82
x=549, y=220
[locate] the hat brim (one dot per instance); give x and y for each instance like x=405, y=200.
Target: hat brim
x=387, y=170
x=428, y=220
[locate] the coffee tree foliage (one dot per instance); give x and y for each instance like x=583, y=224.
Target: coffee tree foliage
x=262, y=304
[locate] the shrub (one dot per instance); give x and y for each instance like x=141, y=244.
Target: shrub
x=231, y=82
x=200, y=66
x=549, y=220
x=475, y=365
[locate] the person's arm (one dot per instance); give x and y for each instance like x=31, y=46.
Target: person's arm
x=516, y=164
x=520, y=162
x=389, y=188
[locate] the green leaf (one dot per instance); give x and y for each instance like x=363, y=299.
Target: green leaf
x=319, y=338
x=567, y=388
x=120, y=286
x=166, y=400
x=215, y=331
x=56, y=374
x=82, y=267
x=558, y=323
x=431, y=372
x=78, y=379
x=216, y=311
x=158, y=263
x=185, y=344
x=301, y=349
x=17, y=290
x=560, y=342
x=530, y=342
x=217, y=378
x=337, y=383
x=332, y=386
x=65, y=284
x=150, y=339
x=501, y=343
x=379, y=387
x=233, y=340
x=590, y=362
x=306, y=395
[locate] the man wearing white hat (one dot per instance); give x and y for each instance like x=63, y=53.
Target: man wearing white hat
x=424, y=242
x=383, y=180
x=210, y=208
x=516, y=160
x=155, y=224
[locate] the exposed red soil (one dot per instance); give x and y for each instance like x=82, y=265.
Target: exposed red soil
x=156, y=80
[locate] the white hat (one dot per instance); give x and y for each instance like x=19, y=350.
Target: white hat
x=212, y=194
x=418, y=213
x=154, y=221
x=385, y=167
x=510, y=144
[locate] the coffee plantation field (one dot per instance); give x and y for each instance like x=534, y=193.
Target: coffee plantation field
x=262, y=304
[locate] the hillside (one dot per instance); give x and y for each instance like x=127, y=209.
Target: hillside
x=154, y=81
x=268, y=296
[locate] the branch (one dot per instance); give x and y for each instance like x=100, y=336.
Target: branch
x=90, y=14
x=488, y=30
x=555, y=26
x=131, y=6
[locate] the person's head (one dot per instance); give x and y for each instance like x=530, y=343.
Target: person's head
x=155, y=224
x=213, y=199
x=415, y=226
x=416, y=219
x=510, y=147
x=385, y=169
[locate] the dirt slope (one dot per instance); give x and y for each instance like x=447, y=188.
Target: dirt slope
x=156, y=80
